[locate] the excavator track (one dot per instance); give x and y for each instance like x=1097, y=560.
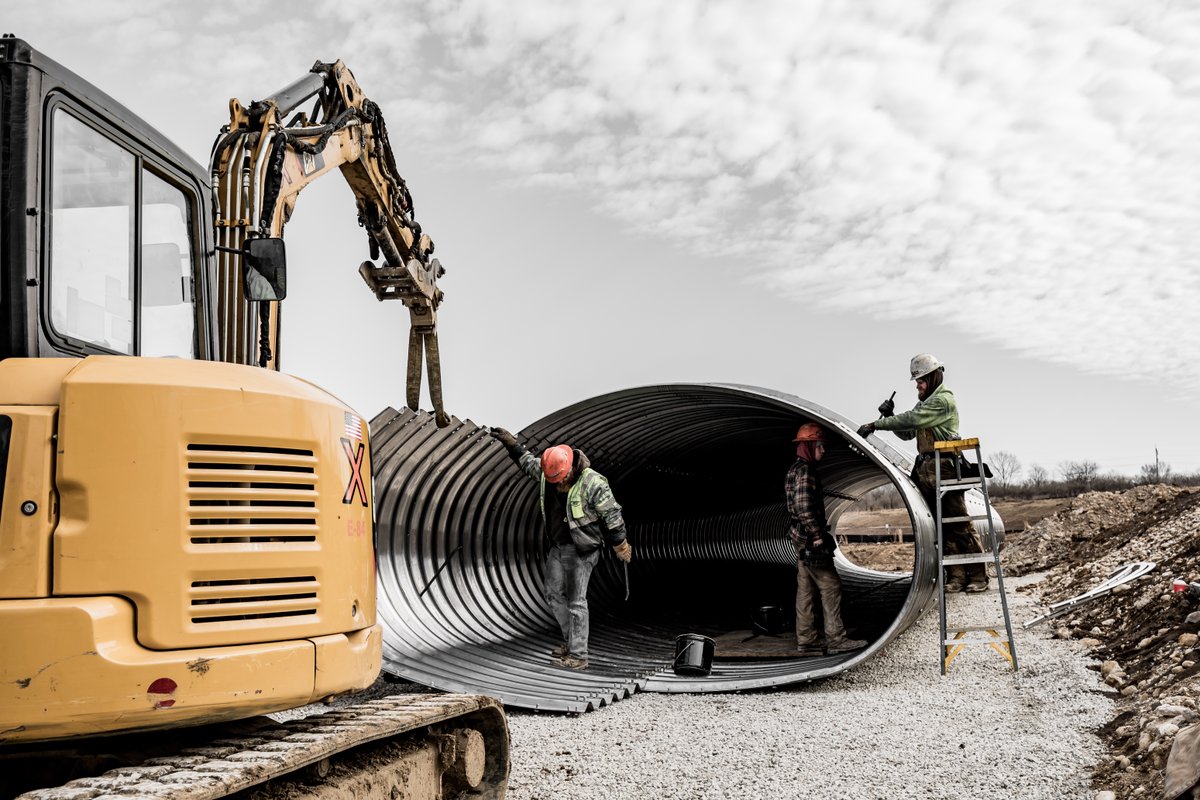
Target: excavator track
x=403, y=746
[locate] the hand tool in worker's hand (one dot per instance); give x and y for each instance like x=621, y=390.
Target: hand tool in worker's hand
x=888, y=407
x=626, y=566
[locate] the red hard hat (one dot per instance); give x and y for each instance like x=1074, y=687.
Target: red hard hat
x=556, y=462
x=810, y=432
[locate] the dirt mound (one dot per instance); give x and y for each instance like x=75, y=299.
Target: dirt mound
x=1144, y=633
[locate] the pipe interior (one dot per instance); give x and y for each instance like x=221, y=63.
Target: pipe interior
x=699, y=471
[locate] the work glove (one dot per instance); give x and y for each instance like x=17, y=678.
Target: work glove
x=888, y=407
x=503, y=437
x=624, y=551
x=866, y=430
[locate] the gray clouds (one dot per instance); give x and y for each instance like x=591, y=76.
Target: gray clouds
x=1034, y=165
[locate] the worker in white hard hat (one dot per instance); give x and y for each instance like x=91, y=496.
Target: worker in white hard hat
x=935, y=419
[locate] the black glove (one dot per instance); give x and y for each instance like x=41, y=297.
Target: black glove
x=503, y=437
x=866, y=430
x=888, y=407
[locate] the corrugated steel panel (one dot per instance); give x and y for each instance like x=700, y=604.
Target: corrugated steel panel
x=699, y=470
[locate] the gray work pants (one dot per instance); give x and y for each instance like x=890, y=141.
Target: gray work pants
x=567, y=575
x=958, y=538
x=810, y=581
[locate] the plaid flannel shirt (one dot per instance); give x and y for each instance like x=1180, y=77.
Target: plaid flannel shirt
x=806, y=506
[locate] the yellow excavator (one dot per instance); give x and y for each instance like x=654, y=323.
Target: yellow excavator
x=186, y=533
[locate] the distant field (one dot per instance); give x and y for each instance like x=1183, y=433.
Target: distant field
x=854, y=527
x=1017, y=515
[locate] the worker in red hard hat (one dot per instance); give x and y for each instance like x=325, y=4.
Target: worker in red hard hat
x=935, y=419
x=579, y=516
x=809, y=532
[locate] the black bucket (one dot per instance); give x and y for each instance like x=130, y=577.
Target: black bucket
x=693, y=654
x=767, y=621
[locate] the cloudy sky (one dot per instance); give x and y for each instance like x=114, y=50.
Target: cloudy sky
x=794, y=195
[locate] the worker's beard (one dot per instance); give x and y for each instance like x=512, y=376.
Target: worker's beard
x=932, y=381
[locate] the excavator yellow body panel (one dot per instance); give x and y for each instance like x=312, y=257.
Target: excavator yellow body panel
x=180, y=542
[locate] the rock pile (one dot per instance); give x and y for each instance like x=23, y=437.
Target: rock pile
x=1144, y=634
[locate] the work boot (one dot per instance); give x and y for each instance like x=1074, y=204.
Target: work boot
x=953, y=586
x=561, y=650
x=809, y=650
x=571, y=662
x=975, y=587
x=846, y=646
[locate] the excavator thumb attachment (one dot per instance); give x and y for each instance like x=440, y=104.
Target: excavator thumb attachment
x=418, y=340
x=433, y=365
x=392, y=283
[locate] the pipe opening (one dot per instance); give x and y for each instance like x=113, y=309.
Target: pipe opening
x=699, y=471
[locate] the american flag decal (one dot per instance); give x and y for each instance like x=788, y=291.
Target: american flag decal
x=353, y=427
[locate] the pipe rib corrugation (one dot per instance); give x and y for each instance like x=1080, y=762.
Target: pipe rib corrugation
x=699, y=470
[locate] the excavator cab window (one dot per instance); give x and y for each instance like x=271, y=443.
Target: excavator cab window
x=167, y=313
x=119, y=265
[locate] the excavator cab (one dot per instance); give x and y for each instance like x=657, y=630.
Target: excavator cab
x=104, y=231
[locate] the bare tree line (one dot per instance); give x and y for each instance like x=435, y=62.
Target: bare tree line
x=1011, y=480
x=1075, y=477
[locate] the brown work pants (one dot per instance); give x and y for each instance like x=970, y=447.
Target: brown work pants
x=958, y=538
x=809, y=581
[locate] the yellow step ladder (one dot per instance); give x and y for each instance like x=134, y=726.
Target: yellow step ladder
x=943, y=484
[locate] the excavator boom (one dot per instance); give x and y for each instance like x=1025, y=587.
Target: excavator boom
x=261, y=163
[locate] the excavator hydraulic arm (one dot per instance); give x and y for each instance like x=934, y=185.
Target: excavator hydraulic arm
x=260, y=163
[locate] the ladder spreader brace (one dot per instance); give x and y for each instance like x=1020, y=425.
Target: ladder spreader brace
x=950, y=647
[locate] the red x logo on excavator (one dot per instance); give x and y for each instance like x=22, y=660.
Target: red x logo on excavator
x=356, y=486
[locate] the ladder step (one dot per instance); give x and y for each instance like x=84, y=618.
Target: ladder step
x=963, y=519
x=963, y=482
x=979, y=558
x=957, y=642
x=956, y=445
x=999, y=626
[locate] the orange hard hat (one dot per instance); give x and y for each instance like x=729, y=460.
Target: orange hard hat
x=556, y=462
x=810, y=432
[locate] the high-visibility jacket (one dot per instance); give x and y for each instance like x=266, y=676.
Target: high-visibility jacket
x=593, y=514
x=934, y=419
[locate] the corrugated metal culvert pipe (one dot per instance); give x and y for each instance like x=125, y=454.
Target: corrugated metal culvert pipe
x=699, y=470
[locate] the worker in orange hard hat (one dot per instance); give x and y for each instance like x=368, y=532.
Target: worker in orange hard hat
x=935, y=419
x=809, y=532
x=579, y=517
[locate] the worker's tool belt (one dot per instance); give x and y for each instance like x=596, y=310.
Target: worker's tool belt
x=968, y=469
x=814, y=556
x=818, y=559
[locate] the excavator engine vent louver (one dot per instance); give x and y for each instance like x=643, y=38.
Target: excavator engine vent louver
x=240, y=494
x=244, y=599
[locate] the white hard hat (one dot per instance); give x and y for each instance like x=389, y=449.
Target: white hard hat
x=922, y=364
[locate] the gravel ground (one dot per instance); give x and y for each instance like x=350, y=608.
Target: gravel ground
x=892, y=728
